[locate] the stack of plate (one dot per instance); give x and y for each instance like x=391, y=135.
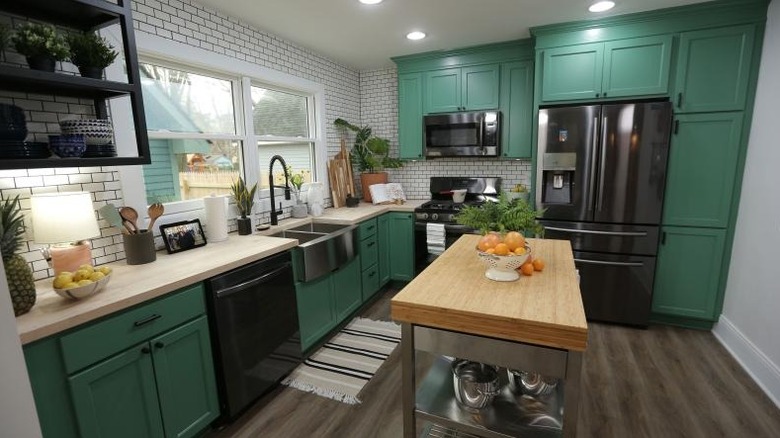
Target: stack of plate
x=95, y=131
x=11, y=149
x=100, y=150
x=13, y=126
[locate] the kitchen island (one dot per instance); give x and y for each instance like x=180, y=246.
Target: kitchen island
x=536, y=323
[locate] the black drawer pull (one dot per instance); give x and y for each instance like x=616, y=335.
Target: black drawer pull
x=371, y=227
x=371, y=244
x=147, y=320
x=159, y=344
x=372, y=274
x=146, y=350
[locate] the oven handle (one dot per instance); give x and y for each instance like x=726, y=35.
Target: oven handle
x=449, y=228
x=253, y=282
x=602, y=262
x=604, y=233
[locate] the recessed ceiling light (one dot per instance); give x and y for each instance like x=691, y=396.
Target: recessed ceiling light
x=601, y=6
x=370, y=2
x=416, y=35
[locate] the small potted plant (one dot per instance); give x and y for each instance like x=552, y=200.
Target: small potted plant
x=42, y=46
x=371, y=155
x=297, y=180
x=91, y=53
x=245, y=199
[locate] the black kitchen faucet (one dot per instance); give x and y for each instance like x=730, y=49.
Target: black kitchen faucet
x=274, y=213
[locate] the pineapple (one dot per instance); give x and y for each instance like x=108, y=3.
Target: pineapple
x=17, y=271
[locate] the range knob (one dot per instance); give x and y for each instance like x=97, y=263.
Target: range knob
x=424, y=216
x=435, y=216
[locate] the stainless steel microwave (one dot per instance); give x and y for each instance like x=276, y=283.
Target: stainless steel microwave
x=462, y=134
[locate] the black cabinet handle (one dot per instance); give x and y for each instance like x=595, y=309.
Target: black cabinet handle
x=679, y=100
x=663, y=238
x=676, y=126
x=371, y=244
x=370, y=228
x=604, y=95
x=147, y=320
x=372, y=274
x=159, y=344
x=597, y=94
x=146, y=350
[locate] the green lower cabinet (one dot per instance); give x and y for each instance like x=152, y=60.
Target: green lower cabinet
x=383, y=241
x=517, y=85
x=315, y=310
x=370, y=282
x=401, y=245
x=688, y=272
x=347, y=290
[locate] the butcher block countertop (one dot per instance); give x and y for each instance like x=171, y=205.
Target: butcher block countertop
x=132, y=285
x=454, y=294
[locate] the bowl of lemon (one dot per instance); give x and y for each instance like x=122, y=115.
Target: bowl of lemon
x=503, y=255
x=84, y=282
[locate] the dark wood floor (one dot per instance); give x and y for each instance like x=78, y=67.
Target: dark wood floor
x=661, y=382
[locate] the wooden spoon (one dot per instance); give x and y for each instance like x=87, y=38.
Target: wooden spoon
x=155, y=211
x=130, y=216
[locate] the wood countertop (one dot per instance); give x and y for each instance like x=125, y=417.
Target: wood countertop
x=454, y=294
x=132, y=285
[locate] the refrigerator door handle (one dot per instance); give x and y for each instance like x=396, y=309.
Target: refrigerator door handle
x=602, y=164
x=605, y=233
x=601, y=262
x=594, y=142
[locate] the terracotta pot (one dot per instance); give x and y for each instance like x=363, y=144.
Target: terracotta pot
x=369, y=179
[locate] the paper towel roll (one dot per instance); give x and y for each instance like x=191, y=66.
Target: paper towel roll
x=216, y=217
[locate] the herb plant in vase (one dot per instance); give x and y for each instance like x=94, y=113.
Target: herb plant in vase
x=42, y=46
x=21, y=284
x=297, y=180
x=245, y=199
x=91, y=53
x=371, y=155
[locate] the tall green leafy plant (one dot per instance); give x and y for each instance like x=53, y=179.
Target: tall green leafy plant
x=244, y=196
x=502, y=216
x=369, y=152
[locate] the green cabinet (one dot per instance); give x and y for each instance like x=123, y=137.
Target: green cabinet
x=713, y=69
x=370, y=254
x=347, y=290
x=410, y=116
x=688, y=272
x=516, y=107
x=383, y=240
x=702, y=169
x=621, y=68
x=147, y=371
x=401, y=246
x=461, y=89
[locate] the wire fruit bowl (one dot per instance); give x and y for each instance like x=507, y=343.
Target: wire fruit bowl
x=503, y=268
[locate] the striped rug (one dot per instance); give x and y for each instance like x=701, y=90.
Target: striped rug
x=342, y=367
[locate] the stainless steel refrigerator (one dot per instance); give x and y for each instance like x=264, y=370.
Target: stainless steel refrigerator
x=601, y=171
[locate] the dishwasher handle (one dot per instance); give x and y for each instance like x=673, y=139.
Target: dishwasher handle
x=253, y=282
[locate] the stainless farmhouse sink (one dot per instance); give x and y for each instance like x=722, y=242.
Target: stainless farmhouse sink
x=322, y=248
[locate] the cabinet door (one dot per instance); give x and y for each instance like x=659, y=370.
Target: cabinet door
x=701, y=170
x=712, y=69
x=637, y=66
x=347, y=290
x=315, y=310
x=442, y=91
x=184, y=369
x=383, y=241
x=401, y=246
x=688, y=271
x=571, y=73
x=410, y=116
x=516, y=109
x=480, y=87
x=118, y=397
x=370, y=282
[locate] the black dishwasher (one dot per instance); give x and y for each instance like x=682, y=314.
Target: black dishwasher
x=254, y=329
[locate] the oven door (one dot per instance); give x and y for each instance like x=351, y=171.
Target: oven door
x=422, y=257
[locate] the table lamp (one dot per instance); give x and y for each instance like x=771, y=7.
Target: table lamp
x=65, y=220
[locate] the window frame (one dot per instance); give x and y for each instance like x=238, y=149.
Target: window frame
x=172, y=53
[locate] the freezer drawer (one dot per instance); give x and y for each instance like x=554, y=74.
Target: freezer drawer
x=611, y=238
x=616, y=288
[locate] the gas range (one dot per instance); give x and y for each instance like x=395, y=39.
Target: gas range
x=442, y=209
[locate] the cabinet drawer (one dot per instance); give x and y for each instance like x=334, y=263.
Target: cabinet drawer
x=370, y=281
x=367, y=229
x=368, y=252
x=105, y=338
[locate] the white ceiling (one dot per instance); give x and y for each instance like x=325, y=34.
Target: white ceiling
x=366, y=36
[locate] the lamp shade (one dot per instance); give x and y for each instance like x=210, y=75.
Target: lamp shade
x=63, y=217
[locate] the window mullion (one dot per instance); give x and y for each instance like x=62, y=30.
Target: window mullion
x=250, y=156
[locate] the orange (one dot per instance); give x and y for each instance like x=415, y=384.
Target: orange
x=514, y=240
x=527, y=269
x=501, y=249
x=538, y=264
x=488, y=241
x=520, y=250
x=490, y=251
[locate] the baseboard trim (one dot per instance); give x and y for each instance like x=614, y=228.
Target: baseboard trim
x=763, y=371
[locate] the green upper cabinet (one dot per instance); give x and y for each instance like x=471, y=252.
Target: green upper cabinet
x=401, y=245
x=517, y=109
x=713, y=69
x=461, y=89
x=637, y=66
x=410, y=112
x=572, y=73
x=621, y=68
x=688, y=272
x=702, y=168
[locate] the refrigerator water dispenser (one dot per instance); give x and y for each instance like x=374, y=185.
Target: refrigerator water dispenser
x=558, y=177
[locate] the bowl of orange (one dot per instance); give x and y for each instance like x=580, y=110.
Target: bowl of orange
x=503, y=255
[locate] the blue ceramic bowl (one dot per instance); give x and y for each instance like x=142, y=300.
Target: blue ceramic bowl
x=67, y=146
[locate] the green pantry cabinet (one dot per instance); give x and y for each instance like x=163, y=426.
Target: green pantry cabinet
x=704, y=59
x=146, y=371
x=496, y=76
x=385, y=247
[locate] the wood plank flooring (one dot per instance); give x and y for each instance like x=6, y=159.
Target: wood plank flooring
x=661, y=382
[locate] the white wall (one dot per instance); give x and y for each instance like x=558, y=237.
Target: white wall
x=750, y=324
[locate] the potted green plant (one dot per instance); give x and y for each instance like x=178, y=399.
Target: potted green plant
x=370, y=154
x=41, y=44
x=245, y=199
x=91, y=53
x=297, y=180
x=502, y=216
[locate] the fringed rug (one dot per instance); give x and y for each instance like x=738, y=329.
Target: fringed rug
x=342, y=367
